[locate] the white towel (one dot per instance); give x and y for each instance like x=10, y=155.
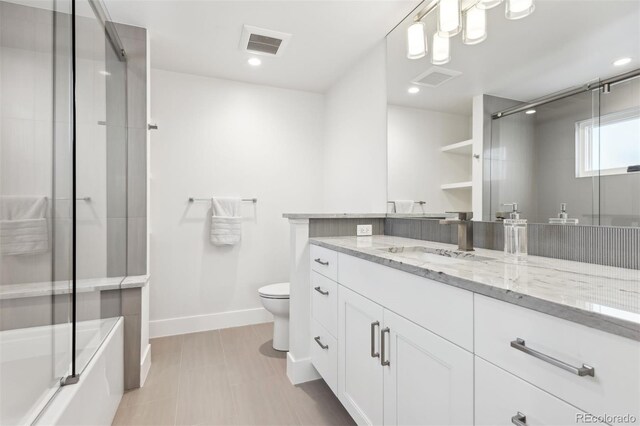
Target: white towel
x=225, y=221
x=23, y=226
x=404, y=206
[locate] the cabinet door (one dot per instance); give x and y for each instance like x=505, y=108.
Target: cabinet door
x=429, y=380
x=359, y=373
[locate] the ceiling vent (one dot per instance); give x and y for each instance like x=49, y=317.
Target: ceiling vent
x=262, y=41
x=435, y=76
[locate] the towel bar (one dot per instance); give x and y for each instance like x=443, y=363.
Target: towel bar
x=192, y=199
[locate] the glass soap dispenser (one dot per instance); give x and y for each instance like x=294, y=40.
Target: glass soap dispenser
x=515, y=235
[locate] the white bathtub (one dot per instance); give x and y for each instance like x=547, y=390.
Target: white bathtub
x=32, y=360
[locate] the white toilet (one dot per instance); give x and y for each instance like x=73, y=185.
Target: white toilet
x=275, y=299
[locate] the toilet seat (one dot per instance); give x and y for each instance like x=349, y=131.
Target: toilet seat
x=275, y=291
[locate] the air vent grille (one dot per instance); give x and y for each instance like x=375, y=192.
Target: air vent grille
x=435, y=76
x=263, y=44
x=263, y=41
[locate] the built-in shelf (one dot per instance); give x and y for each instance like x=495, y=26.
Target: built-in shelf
x=460, y=148
x=457, y=185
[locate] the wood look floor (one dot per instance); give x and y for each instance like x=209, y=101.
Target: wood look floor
x=226, y=377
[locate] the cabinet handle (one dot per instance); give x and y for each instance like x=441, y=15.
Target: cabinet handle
x=374, y=354
x=317, y=339
x=322, y=262
x=519, y=419
x=322, y=292
x=585, y=370
x=383, y=345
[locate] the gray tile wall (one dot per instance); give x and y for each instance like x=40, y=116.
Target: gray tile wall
x=126, y=223
x=602, y=245
x=342, y=227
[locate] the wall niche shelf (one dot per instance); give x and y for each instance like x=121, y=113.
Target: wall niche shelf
x=457, y=185
x=459, y=148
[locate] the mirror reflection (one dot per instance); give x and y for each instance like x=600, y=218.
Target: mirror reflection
x=512, y=119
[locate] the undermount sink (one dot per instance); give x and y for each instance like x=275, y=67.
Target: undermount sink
x=428, y=253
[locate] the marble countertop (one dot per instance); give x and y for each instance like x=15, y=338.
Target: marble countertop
x=17, y=291
x=334, y=215
x=601, y=297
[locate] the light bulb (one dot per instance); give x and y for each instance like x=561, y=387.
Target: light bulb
x=488, y=4
x=413, y=90
x=449, y=19
x=518, y=9
x=475, y=26
x=622, y=61
x=416, y=41
x=440, y=54
x=254, y=62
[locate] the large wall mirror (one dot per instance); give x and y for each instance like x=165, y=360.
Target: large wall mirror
x=544, y=111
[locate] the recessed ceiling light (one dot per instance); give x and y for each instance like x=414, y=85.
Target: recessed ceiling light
x=254, y=62
x=530, y=111
x=413, y=90
x=104, y=72
x=622, y=61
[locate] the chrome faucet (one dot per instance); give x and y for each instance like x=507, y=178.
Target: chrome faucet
x=465, y=229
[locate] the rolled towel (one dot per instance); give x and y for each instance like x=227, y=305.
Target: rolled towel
x=404, y=206
x=226, y=222
x=23, y=226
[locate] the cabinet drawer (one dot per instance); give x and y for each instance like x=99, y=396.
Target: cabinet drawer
x=614, y=388
x=501, y=396
x=440, y=308
x=324, y=261
x=325, y=357
x=324, y=302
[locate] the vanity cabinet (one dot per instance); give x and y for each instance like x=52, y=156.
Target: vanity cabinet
x=394, y=372
x=399, y=349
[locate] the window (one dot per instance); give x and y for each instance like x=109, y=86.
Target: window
x=610, y=148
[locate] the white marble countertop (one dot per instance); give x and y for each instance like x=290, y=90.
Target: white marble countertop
x=334, y=215
x=17, y=291
x=602, y=297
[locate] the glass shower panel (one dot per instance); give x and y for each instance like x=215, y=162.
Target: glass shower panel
x=619, y=154
x=35, y=190
x=100, y=175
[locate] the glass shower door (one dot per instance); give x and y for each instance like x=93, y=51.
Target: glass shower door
x=35, y=205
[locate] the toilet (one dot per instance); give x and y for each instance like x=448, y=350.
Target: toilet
x=275, y=299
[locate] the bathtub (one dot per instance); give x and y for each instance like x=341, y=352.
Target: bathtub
x=32, y=360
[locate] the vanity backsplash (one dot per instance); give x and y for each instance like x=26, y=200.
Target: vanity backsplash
x=603, y=245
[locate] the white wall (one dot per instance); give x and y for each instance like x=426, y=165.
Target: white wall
x=417, y=167
x=224, y=138
x=355, y=166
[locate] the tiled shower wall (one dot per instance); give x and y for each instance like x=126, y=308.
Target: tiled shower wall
x=603, y=245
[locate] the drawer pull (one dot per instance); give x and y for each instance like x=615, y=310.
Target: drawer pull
x=321, y=291
x=585, y=370
x=519, y=419
x=383, y=345
x=317, y=339
x=322, y=262
x=374, y=354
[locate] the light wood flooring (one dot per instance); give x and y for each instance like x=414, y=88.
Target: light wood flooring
x=226, y=377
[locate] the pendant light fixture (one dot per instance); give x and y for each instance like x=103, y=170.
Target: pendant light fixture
x=440, y=53
x=416, y=41
x=475, y=26
x=449, y=18
x=488, y=4
x=518, y=9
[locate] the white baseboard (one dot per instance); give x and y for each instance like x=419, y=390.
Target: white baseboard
x=145, y=365
x=300, y=370
x=193, y=324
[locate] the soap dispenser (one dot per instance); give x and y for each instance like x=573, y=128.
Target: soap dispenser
x=563, y=217
x=515, y=235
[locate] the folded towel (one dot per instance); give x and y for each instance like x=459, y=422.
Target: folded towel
x=225, y=221
x=404, y=206
x=23, y=226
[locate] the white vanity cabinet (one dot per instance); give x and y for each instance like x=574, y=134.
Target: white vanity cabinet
x=399, y=349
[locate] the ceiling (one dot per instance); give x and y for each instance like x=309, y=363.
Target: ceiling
x=564, y=43
x=203, y=37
